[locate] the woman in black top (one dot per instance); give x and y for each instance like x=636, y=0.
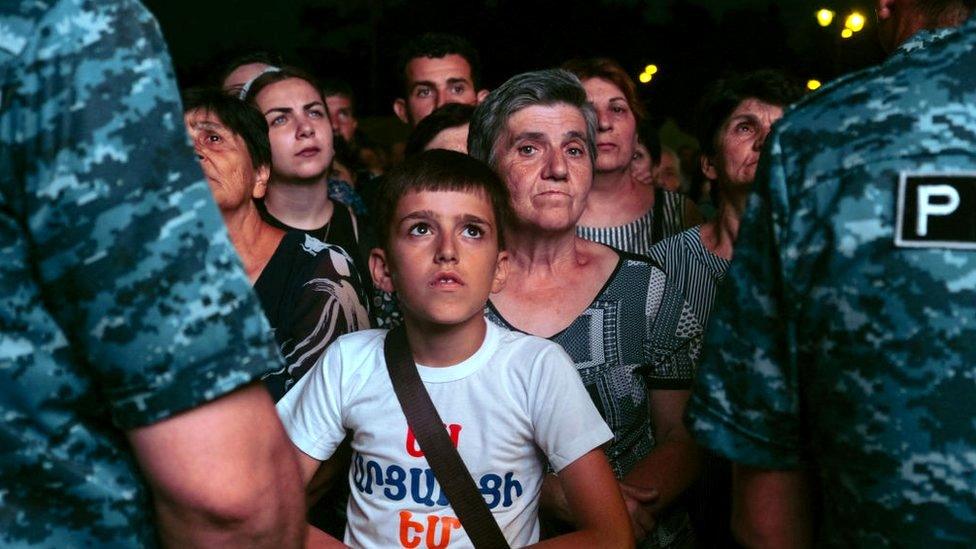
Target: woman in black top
x=310, y=291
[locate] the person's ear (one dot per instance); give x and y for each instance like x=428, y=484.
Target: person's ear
x=883, y=9
x=708, y=167
x=400, y=108
x=501, y=272
x=261, y=176
x=379, y=270
x=482, y=94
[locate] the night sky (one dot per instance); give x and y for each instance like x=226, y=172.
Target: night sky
x=692, y=42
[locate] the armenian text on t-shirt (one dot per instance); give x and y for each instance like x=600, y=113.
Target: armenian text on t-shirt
x=417, y=487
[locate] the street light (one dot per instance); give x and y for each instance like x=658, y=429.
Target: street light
x=645, y=78
x=846, y=33
x=855, y=22
x=825, y=17
x=813, y=84
x=651, y=69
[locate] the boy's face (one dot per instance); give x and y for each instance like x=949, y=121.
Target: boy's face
x=442, y=258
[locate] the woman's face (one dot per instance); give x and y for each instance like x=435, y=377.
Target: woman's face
x=617, y=129
x=543, y=157
x=740, y=141
x=299, y=130
x=641, y=167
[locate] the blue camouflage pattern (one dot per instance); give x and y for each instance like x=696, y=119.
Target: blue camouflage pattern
x=123, y=301
x=830, y=347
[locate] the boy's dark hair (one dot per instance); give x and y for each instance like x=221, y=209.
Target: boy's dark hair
x=264, y=57
x=446, y=116
x=723, y=96
x=240, y=118
x=439, y=170
x=334, y=86
x=437, y=45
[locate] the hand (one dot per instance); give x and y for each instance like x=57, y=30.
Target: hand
x=639, y=502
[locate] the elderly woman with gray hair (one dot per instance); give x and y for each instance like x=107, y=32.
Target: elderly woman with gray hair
x=634, y=346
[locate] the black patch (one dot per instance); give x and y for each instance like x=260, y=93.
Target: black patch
x=936, y=210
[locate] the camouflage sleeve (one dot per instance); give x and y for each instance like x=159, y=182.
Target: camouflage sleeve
x=130, y=251
x=744, y=403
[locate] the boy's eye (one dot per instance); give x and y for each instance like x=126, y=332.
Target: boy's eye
x=473, y=231
x=420, y=229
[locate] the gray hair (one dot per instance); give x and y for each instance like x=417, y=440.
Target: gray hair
x=546, y=88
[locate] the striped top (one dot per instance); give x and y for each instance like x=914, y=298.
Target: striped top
x=692, y=270
x=637, y=237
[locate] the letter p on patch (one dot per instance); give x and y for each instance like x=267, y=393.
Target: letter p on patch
x=927, y=207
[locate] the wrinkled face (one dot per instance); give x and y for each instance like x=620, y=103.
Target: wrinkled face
x=641, y=166
x=669, y=174
x=542, y=156
x=740, y=141
x=299, y=131
x=241, y=75
x=436, y=81
x=452, y=139
x=617, y=130
x=344, y=122
x=225, y=160
x=443, y=258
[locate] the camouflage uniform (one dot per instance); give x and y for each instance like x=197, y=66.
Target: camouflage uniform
x=123, y=301
x=833, y=347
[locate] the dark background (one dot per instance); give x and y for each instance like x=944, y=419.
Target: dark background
x=693, y=42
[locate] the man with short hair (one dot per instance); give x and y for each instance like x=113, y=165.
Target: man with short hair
x=130, y=341
x=842, y=342
x=340, y=101
x=436, y=69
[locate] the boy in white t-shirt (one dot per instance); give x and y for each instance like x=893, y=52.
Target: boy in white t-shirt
x=511, y=402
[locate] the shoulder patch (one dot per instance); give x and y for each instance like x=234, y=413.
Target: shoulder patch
x=936, y=210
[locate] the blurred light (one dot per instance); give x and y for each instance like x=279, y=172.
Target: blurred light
x=645, y=77
x=846, y=33
x=855, y=21
x=813, y=84
x=651, y=69
x=825, y=17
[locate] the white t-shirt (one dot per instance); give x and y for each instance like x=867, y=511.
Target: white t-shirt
x=515, y=403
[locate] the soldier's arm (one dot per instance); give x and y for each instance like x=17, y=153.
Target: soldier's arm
x=770, y=508
x=224, y=475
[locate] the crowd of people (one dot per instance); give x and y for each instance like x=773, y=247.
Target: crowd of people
x=769, y=342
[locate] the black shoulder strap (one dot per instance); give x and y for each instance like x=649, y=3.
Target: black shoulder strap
x=443, y=458
x=657, y=223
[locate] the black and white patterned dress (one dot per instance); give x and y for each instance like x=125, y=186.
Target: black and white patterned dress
x=639, y=235
x=634, y=337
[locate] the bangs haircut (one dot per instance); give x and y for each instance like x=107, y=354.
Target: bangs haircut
x=723, y=96
x=241, y=119
x=440, y=170
x=611, y=71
